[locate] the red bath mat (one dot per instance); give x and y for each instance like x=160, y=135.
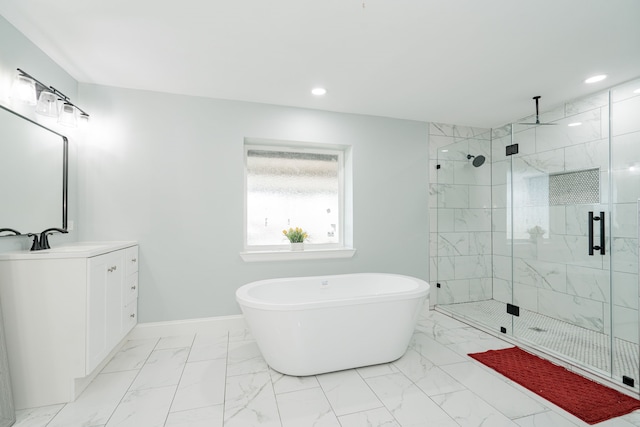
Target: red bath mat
x=586, y=399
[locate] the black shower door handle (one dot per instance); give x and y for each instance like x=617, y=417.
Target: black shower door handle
x=592, y=247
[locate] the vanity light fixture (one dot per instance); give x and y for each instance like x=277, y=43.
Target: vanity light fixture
x=318, y=91
x=47, y=104
x=595, y=79
x=24, y=90
x=31, y=91
x=574, y=124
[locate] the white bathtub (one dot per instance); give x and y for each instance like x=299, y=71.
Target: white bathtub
x=311, y=325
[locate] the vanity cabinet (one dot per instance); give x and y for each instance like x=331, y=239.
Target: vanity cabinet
x=65, y=311
x=112, y=290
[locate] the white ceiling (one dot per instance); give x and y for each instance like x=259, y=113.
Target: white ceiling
x=466, y=62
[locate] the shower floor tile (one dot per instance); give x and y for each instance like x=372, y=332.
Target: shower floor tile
x=584, y=347
x=224, y=382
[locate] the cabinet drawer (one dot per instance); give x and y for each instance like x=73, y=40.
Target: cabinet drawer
x=130, y=290
x=129, y=316
x=131, y=260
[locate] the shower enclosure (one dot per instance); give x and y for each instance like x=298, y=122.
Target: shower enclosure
x=540, y=241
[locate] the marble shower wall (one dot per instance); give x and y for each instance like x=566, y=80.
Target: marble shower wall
x=460, y=214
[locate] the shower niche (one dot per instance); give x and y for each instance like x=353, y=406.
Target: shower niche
x=549, y=232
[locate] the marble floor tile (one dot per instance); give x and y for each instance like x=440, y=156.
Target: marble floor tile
x=143, y=408
x=240, y=335
x=615, y=422
x=163, y=368
x=505, y=396
x=98, y=401
x=468, y=410
x=209, y=416
x=250, y=401
x=380, y=417
x=208, y=345
x=285, y=383
x=37, y=417
x=407, y=403
x=377, y=370
x=545, y=419
x=132, y=355
x=633, y=417
x=429, y=378
x=221, y=380
x=245, y=358
x=479, y=345
x=347, y=392
x=202, y=384
x=435, y=352
x=175, y=341
x=306, y=408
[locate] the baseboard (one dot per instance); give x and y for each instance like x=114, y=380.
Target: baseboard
x=189, y=326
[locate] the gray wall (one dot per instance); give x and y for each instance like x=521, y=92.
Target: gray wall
x=16, y=51
x=167, y=170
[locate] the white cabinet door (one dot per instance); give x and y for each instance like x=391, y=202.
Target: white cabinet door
x=104, y=311
x=113, y=297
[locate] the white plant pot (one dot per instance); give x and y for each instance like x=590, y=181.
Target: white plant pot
x=297, y=246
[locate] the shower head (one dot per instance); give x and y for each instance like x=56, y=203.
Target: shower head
x=477, y=160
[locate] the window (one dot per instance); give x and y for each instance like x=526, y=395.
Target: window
x=294, y=185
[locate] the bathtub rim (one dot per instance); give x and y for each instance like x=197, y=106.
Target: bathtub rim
x=243, y=298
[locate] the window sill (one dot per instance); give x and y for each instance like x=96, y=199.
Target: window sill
x=287, y=255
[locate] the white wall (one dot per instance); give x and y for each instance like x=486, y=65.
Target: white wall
x=167, y=170
x=16, y=51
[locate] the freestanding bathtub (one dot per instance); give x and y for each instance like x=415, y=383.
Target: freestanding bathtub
x=312, y=325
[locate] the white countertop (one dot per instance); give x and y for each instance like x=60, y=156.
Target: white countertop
x=69, y=250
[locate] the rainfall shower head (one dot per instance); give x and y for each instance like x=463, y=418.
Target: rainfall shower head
x=477, y=160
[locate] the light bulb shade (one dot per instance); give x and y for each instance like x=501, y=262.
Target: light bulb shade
x=67, y=116
x=47, y=104
x=24, y=90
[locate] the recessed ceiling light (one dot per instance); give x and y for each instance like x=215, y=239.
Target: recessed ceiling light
x=445, y=151
x=318, y=91
x=637, y=90
x=596, y=79
x=574, y=124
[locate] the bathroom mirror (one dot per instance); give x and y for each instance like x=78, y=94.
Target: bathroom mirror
x=33, y=175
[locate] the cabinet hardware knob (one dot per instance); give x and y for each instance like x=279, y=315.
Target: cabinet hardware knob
x=133, y=260
x=133, y=288
x=112, y=269
x=132, y=315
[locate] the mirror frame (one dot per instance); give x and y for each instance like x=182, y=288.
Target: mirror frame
x=65, y=165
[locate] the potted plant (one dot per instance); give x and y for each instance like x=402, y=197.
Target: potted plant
x=296, y=236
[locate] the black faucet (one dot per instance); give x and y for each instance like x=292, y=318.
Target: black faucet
x=35, y=246
x=44, y=237
x=16, y=232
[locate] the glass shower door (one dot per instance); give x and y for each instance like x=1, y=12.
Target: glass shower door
x=560, y=234
x=625, y=200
